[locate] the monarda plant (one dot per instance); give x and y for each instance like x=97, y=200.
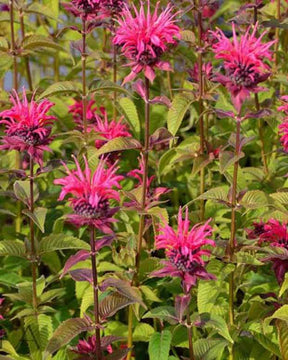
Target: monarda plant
x=143, y=180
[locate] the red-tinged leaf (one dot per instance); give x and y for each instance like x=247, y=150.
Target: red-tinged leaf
x=124, y=288
x=160, y=136
x=259, y=114
x=82, y=275
x=107, y=340
x=75, y=259
x=105, y=241
x=162, y=100
x=282, y=327
x=65, y=332
x=112, y=303
x=181, y=306
x=224, y=114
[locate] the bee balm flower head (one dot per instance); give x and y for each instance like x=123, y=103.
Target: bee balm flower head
x=27, y=126
x=243, y=62
x=91, y=194
x=184, y=251
x=144, y=37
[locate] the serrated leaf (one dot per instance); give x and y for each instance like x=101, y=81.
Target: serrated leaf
x=107, y=85
x=216, y=322
x=163, y=313
x=284, y=285
x=131, y=114
x=159, y=345
x=22, y=191
x=12, y=248
x=280, y=196
x=37, y=42
x=143, y=332
x=38, y=217
x=124, y=288
x=228, y=158
x=60, y=88
x=282, y=327
x=65, y=332
x=219, y=193
x=245, y=258
x=188, y=36
x=61, y=242
x=112, y=303
x=38, y=330
x=118, y=144
x=179, y=107
x=254, y=199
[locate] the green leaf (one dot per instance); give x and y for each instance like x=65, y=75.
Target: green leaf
x=216, y=322
x=179, y=107
x=149, y=293
x=159, y=345
x=245, y=258
x=65, y=332
x=281, y=196
x=280, y=314
x=107, y=85
x=37, y=42
x=163, y=313
x=22, y=191
x=131, y=114
x=228, y=158
x=143, y=332
x=40, y=9
x=254, y=199
x=61, y=242
x=118, y=144
x=60, y=88
x=219, y=193
x=282, y=327
x=284, y=285
x=38, y=217
x=38, y=329
x=12, y=248
x=188, y=36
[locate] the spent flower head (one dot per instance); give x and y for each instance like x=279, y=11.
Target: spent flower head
x=244, y=62
x=90, y=194
x=144, y=38
x=185, y=250
x=27, y=126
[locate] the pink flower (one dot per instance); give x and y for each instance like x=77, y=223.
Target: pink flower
x=274, y=234
x=145, y=37
x=91, y=194
x=86, y=347
x=284, y=107
x=243, y=62
x=283, y=131
x=153, y=194
x=98, y=122
x=76, y=110
x=27, y=126
x=184, y=251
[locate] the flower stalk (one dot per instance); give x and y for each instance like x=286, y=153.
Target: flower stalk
x=259, y=121
x=98, y=353
x=145, y=153
x=26, y=59
x=32, y=237
x=201, y=109
x=84, y=93
x=114, y=80
x=190, y=334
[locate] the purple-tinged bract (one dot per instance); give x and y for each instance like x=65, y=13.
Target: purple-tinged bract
x=144, y=38
x=91, y=194
x=27, y=126
x=184, y=250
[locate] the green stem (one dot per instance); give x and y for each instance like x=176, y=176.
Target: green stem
x=114, y=80
x=26, y=59
x=145, y=153
x=201, y=109
x=260, y=122
x=32, y=237
x=190, y=334
x=13, y=46
x=98, y=352
x=84, y=93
